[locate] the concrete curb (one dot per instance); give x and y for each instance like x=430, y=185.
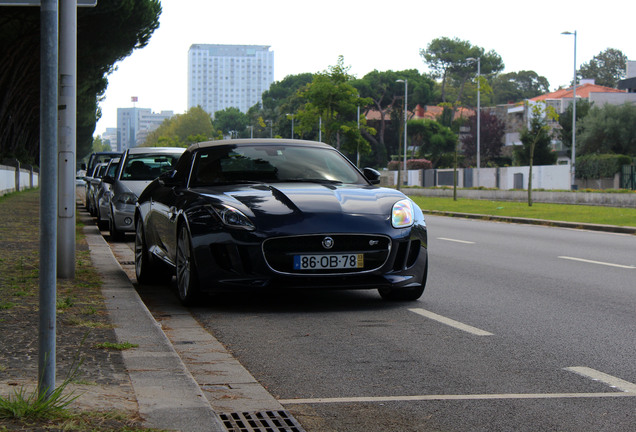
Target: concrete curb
x=510, y=219
x=167, y=394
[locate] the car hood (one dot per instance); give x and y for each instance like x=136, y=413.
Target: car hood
x=286, y=204
x=134, y=186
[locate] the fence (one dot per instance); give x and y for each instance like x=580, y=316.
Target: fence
x=18, y=177
x=548, y=177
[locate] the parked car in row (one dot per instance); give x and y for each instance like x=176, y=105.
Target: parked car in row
x=136, y=169
x=102, y=196
x=93, y=160
x=262, y=213
x=92, y=184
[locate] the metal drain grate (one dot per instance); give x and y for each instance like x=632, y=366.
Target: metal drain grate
x=261, y=421
x=127, y=263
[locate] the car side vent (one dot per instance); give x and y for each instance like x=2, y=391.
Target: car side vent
x=231, y=258
x=414, y=252
x=406, y=254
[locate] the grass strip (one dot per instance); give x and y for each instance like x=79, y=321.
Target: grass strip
x=619, y=216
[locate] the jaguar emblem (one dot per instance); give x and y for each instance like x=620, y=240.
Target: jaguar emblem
x=327, y=242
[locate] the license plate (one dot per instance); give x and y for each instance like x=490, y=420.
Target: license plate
x=324, y=262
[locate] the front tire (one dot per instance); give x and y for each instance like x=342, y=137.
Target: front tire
x=187, y=277
x=405, y=294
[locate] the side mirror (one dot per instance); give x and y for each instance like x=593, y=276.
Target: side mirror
x=83, y=167
x=372, y=175
x=169, y=178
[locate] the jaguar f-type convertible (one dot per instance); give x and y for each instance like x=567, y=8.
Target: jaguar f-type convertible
x=269, y=213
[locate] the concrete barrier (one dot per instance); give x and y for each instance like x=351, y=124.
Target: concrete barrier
x=584, y=198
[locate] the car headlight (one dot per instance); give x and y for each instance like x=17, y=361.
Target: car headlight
x=402, y=214
x=233, y=217
x=127, y=198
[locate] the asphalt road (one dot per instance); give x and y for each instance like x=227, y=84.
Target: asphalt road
x=521, y=328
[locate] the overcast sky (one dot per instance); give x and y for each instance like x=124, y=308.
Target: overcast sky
x=308, y=36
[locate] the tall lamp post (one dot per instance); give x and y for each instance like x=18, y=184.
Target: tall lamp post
x=572, y=166
x=478, y=60
x=406, y=95
x=292, y=130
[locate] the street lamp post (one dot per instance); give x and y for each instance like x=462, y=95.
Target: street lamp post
x=292, y=130
x=572, y=166
x=478, y=60
x=406, y=95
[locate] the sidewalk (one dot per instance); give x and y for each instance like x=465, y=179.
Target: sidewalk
x=178, y=377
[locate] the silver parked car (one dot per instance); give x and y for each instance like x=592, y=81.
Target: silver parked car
x=137, y=168
x=102, y=196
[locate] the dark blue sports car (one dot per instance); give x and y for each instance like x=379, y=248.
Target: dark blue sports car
x=270, y=213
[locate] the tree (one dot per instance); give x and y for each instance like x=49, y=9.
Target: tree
x=125, y=24
x=100, y=146
x=230, y=120
x=536, y=142
x=331, y=97
x=608, y=129
x=183, y=129
x=491, y=134
x=387, y=99
x=448, y=59
x=518, y=86
x=607, y=68
x=436, y=142
x=564, y=133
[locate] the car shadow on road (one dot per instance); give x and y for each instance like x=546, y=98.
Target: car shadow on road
x=273, y=300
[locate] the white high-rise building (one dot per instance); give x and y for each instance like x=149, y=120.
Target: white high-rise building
x=223, y=76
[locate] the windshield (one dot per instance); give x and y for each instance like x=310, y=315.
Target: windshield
x=148, y=166
x=271, y=163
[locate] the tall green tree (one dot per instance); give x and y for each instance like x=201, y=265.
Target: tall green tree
x=564, y=133
x=331, y=97
x=518, y=86
x=607, y=68
x=448, y=59
x=608, y=129
x=436, y=141
x=387, y=99
x=106, y=34
x=231, y=120
x=183, y=129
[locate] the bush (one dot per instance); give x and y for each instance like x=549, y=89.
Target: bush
x=412, y=164
x=600, y=166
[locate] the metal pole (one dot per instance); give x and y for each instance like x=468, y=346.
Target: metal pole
x=478, y=117
x=67, y=139
x=358, y=155
x=406, y=96
x=574, y=120
x=48, y=194
x=320, y=129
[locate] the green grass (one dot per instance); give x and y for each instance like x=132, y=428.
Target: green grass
x=555, y=212
x=116, y=346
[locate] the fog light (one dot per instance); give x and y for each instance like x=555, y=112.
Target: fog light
x=127, y=221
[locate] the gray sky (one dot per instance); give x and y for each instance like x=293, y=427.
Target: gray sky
x=383, y=35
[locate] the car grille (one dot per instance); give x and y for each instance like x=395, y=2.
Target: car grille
x=280, y=252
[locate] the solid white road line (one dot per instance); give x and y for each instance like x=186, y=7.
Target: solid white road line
x=597, y=262
x=453, y=397
x=612, y=381
x=450, y=322
x=455, y=240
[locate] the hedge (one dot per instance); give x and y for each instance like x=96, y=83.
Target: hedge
x=600, y=166
x=412, y=164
